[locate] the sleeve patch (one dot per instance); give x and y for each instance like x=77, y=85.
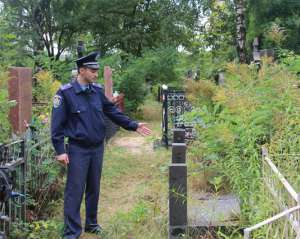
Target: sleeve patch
x=57, y=100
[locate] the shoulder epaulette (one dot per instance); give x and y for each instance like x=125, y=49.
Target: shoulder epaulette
x=66, y=86
x=97, y=85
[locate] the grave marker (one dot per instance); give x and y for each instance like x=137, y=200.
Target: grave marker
x=20, y=89
x=108, y=83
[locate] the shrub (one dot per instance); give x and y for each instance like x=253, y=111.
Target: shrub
x=50, y=229
x=60, y=69
x=44, y=89
x=134, y=76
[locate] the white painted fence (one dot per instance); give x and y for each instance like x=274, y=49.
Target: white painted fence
x=288, y=200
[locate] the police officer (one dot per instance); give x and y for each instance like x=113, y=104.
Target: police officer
x=78, y=114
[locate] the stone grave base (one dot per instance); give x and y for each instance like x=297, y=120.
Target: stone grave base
x=207, y=210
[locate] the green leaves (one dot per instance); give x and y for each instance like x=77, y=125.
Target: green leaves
x=133, y=75
x=5, y=106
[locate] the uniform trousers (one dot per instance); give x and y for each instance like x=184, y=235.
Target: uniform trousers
x=83, y=176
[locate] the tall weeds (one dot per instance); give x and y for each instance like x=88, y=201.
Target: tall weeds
x=251, y=110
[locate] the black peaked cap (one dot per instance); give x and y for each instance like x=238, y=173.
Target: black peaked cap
x=89, y=61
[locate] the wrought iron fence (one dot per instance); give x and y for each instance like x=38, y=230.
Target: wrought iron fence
x=29, y=164
x=287, y=223
x=13, y=163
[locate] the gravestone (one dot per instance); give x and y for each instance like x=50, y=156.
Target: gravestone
x=256, y=53
x=111, y=127
x=197, y=75
x=20, y=89
x=108, y=83
x=220, y=79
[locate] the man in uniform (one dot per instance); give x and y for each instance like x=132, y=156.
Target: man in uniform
x=77, y=114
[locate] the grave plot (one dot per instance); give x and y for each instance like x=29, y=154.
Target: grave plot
x=191, y=213
x=195, y=212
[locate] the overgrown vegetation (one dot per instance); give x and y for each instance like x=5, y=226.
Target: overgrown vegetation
x=253, y=109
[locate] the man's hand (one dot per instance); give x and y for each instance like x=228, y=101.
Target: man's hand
x=63, y=159
x=142, y=129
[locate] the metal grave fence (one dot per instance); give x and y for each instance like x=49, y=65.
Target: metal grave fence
x=12, y=164
x=286, y=224
x=25, y=163
x=42, y=173
x=174, y=105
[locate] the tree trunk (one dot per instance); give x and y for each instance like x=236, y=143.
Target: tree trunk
x=241, y=30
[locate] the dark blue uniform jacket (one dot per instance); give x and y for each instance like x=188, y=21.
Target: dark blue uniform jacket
x=78, y=115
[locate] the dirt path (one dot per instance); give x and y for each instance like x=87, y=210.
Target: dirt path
x=133, y=144
x=126, y=171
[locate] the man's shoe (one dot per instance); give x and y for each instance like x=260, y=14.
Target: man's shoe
x=95, y=229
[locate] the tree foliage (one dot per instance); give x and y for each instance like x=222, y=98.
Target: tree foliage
x=5, y=106
x=49, y=24
x=136, y=75
x=274, y=16
x=115, y=24
x=138, y=24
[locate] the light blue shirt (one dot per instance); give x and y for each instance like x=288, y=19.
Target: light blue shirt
x=84, y=87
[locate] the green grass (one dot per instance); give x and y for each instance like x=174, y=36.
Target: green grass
x=134, y=189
